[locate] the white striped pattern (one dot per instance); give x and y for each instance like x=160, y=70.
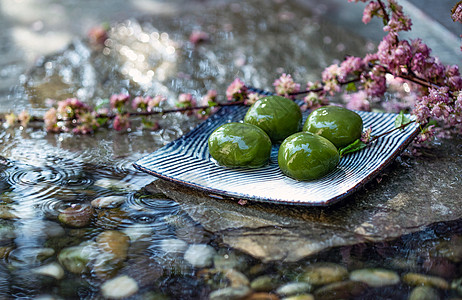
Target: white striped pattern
x=187, y=161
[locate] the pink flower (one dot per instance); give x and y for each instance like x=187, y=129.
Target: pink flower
x=51, y=120
x=11, y=119
x=140, y=103
x=371, y=9
x=395, y=55
x=208, y=100
x=366, y=135
x=314, y=101
x=98, y=35
x=24, y=117
x=330, y=79
x=398, y=21
x=252, y=98
x=452, y=78
x=357, y=101
x=71, y=108
x=197, y=37
x=87, y=124
x=351, y=65
x=155, y=102
x=186, y=100
x=457, y=13
x=211, y=96
x=285, y=85
x=236, y=91
x=121, y=122
x=374, y=82
x=118, y=100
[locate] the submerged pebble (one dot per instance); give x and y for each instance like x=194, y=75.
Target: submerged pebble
x=294, y=288
x=324, y=273
x=119, y=287
x=375, y=277
x=113, y=242
x=264, y=283
x=173, y=246
x=53, y=270
x=138, y=232
x=230, y=293
x=108, y=201
x=76, y=216
x=236, y=278
x=200, y=255
x=7, y=213
x=262, y=296
x=415, y=279
x=424, y=293
x=300, y=297
x=340, y=290
x=114, y=184
x=77, y=259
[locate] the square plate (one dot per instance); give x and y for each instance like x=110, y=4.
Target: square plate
x=187, y=161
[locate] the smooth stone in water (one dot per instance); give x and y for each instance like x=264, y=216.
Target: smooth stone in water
x=264, y=283
x=108, y=201
x=375, y=277
x=53, y=270
x=340, y=290
x=324, y=273
x=300, y=297
x=456, y=284
x=119, y=287
x=5, y=251
x=77, y=259
x=138, y=232
x=427, y=280
x=76, y=216
x=114, y=184
x=115, y=243
x=53, y=229
x=7, y=231
x=236, y=278
x=30, y=256
x=6, y=213
x=294, y=288
x=173, y=246
x=262, y=296
x=230, y=293
x=200, y=255
x=424, y=293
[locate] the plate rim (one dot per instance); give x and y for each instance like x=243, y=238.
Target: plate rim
x=225, y=194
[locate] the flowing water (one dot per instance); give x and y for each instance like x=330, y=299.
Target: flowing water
x=44, y=176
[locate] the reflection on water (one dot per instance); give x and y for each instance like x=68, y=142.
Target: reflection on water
x=74, y=214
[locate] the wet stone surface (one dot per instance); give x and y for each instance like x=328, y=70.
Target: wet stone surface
x=387, y=208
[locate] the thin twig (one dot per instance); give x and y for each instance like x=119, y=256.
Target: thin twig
x=376, y=137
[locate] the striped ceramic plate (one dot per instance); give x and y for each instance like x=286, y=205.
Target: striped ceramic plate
x=187, y=161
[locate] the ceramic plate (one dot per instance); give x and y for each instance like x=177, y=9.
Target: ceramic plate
x=187, y=161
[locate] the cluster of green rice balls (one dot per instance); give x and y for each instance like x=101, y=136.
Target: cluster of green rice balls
x=303, y=155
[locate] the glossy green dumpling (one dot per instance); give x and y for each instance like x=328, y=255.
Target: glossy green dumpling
x=240, y=145
x=337, y=124
x=306, y=156
x=279, y=117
